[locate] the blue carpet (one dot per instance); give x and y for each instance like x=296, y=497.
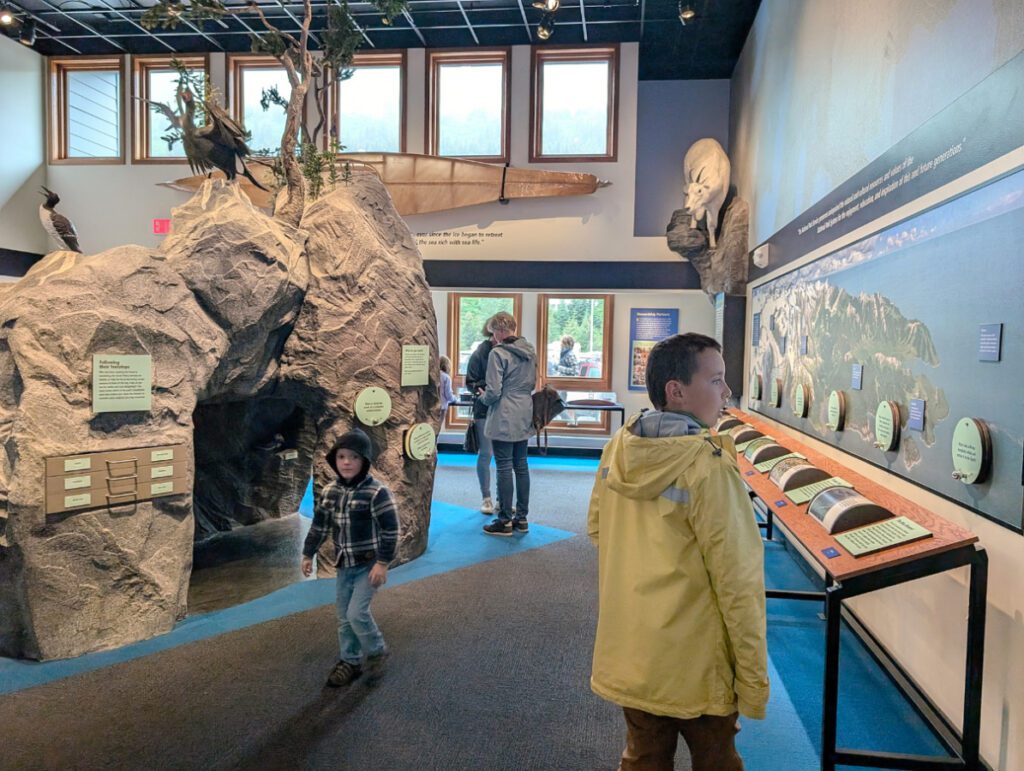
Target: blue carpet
x=455, y=542
x=873, y=714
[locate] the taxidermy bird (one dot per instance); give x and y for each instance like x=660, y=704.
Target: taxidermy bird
x=220, y=144
x=57, y=225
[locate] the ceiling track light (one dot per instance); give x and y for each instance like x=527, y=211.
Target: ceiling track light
x=686, y=13
x=547, y=5
x=6, y=15
x=546, y=28
x=28, y=33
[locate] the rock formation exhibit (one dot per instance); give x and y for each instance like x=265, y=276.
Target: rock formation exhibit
x=257, y=337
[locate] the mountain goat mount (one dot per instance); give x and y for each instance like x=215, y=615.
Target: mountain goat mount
x=717, y=250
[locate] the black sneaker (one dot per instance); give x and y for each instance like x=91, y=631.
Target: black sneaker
x=343, y=674
x=520, y=525
x=497, y=527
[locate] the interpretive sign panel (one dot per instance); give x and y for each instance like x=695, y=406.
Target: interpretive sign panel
x=990, y=342
x=122, y=383
x=420, y=441
x=415, y=365
x=646, y=327
x=882, y=535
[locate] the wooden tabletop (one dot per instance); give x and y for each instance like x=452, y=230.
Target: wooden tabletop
x=809, y=532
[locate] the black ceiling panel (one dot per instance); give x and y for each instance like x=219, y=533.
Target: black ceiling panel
x=706, y=47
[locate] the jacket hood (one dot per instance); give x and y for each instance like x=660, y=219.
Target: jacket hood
x=643, y=467
x=519, y=347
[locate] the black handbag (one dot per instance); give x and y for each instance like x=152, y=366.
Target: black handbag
x=470, y=443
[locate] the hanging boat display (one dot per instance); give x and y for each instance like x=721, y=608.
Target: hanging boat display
x=420, y=184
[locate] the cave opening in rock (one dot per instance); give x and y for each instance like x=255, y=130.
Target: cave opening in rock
x=253, y=462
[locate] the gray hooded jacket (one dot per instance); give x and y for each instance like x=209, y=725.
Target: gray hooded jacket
x=511, y=377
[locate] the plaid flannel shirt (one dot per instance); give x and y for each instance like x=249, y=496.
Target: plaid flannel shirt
x=361, y=520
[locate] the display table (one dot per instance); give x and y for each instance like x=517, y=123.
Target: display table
x=949, y=547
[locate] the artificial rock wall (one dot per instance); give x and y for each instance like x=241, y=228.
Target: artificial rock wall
x=261, y=335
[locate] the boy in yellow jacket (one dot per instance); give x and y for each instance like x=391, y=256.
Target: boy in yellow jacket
x=681, y=625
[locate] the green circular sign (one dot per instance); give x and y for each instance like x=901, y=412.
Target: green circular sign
x=420, y=441
x=887, y=426
x=755, y=387
x=836, y=410
x=972, y=451
x=800, y=401
x=373, y=406
x=776, y=394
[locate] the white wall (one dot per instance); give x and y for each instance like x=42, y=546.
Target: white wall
x=22, y=160
x=696, y=314
x=822, y=88
x=113, y=205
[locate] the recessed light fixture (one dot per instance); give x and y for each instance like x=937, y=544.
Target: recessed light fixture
x=686, y=13
x=547, y=5
x=6, y=16
x=546, y=28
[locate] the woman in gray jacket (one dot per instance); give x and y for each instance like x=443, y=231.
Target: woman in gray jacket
x=511, y=377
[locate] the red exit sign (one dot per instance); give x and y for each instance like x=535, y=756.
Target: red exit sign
x=161, y=227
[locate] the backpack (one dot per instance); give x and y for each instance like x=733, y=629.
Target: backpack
x=547, y=405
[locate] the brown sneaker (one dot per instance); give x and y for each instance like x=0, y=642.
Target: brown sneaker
x=375, y=665
x=343, y=674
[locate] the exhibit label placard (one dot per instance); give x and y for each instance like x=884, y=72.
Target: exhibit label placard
x=415, y=365
x=373, y=406
x=882, y=535
x=647, y=326
x=972, y=450
x=122, y=383
x=420, y=441
x=836, y=410
x=887, y=426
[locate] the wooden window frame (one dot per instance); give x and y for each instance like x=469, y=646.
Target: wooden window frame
x=561, y=427
x=459, y=381
x=437, y=58
x=388, y=58
x=142, y=113
x=57, y=107
x=543, y=54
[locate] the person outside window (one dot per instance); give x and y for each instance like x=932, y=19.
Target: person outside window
x=476, y=381
x=358, y=513
x=568, y=364
x=511, y=377
x=681, y=639
x=445, y=387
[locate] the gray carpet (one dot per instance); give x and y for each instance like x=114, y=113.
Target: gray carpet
x=490, y=671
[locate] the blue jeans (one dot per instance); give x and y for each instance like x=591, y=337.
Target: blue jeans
x=483, y=458
x=358, y=633
x=510, y=458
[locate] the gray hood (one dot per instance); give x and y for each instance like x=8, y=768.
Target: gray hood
x=661, y=424
x=521, y=348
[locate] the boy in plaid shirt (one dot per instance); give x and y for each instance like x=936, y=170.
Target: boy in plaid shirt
x=358, y=512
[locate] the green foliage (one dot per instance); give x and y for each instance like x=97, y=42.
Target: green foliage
x=582, y=318
x=271, y=43
x=271, y=96
x=473, y=312
x=169, y=14
x=389, y=9
x=340, y=41
x=313, y=169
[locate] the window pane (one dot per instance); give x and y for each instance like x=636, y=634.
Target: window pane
x=370, y=110
x=94, y=123
x=473, y=313
x=266, y=126
x=469, y=109
x=574, y=108
x=575, y=344
x=163, y=87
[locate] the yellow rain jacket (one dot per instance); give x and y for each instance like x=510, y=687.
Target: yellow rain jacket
x=681, y=624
